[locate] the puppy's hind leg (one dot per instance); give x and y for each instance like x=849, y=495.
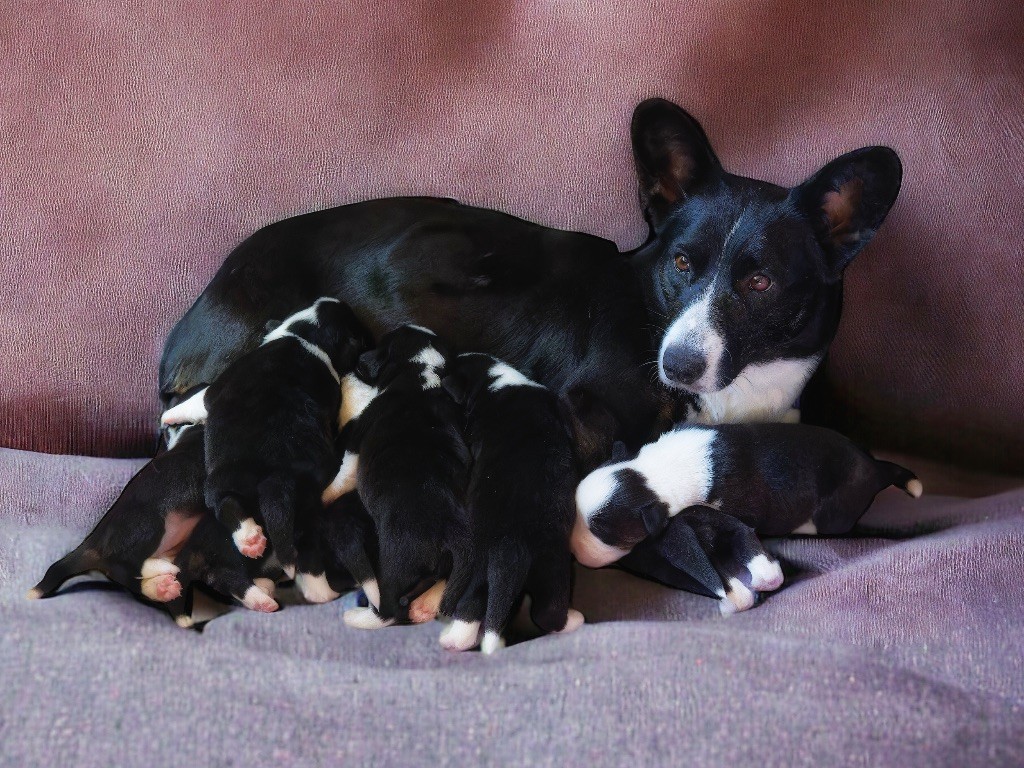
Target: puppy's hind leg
x=246, y=533
x=81, y=560
x=549, y=585
x=280, y=501
x=508, y=564
x=464, y=631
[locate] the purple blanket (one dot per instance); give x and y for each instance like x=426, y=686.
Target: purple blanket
x=899, y=648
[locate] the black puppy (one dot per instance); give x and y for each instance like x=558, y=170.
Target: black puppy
x=337, y=548
x=406, y=454
x=521, y=499
x=158, y=538
x=774, y=478
x=271, y=422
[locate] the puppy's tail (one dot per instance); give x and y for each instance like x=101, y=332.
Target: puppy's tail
x=901, y=477
x=81, y=560
x=508, y=564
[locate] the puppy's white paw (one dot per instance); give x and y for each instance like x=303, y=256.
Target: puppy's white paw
x=573, y=621
x=255, y=599
x=315, y=589
x=266, y=585
x=155, y=566
x=249, y=538
x=737, y=598
x=185, y=622
x=460, y=635
x=765, y=574
x=365, y=618
x=492, y=643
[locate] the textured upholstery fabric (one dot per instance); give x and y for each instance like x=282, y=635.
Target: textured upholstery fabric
x=878, y=651
x=139, y=142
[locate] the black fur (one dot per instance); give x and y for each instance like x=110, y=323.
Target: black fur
x=271, y=426
x=521, y=499
x=566, y=308
x=413, y=470
x=160, y=514
x=338, y=541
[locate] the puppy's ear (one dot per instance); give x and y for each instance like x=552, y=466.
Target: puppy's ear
x=370, y=364
x=655, y=517
x=672, y=155
x=847, y=201
x=455, y=386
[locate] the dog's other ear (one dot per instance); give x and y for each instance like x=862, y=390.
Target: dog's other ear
x=455, y=386
x=655, y=517
x=370, y=364
x=593, y=427
x=672, y=155
x=847, y=201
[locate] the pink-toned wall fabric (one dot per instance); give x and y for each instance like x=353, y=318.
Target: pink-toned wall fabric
x=140, y=141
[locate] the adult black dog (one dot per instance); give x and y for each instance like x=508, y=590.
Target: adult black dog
x=722, y=315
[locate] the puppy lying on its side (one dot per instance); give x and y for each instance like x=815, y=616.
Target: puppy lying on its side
x=158, y=538
x=774, y=478
x=521, y=499
x=406, y=453
x=271, y=422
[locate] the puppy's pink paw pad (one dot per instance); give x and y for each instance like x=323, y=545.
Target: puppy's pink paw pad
x=162, y=588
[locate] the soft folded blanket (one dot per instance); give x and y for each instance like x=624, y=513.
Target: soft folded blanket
x=884, y=650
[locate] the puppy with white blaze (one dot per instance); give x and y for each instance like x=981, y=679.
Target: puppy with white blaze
x=406, y=455
x=776, y=479
x=521, y=501
x=271, y=423
x=158, y=539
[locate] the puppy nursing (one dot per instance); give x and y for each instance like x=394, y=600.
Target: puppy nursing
x=776, y=479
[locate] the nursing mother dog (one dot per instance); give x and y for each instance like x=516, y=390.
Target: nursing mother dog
x=720, y=316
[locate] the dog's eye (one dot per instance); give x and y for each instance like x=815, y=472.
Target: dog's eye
x=759, y=283
x=682, y=263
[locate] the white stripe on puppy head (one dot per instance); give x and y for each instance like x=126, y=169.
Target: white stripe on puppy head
x=505, y=375
x=431, y=360
x=307, y=315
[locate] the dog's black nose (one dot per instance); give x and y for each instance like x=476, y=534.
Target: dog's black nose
x=684, y=365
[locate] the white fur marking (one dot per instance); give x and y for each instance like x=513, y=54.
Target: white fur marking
x=365, y=618
x=694, y=329
x=915, y=488
x=355, y=396
x=431, y=360
x=255, y=599
x=344, y=481
x=808, y=528
x=595, y=490
x=266, y=585
x=191, y=411
x=307, y=315
x=738, y=598
x=315, y=589
x=156, y=566
x=589, y=550
x=420, y=328
x=460, y=635
x=492, y=642
x=573, y=621
x=505, y=375
x=766, y=574
x=185, y=622
x=762, y=392
x=678, y=467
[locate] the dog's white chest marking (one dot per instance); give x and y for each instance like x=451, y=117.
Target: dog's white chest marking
x=763, y=392
x=355, y=396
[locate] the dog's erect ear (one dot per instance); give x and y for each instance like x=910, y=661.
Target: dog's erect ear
x=847, y=201
x=672, y=155
x=370, y=364
x=655, y=517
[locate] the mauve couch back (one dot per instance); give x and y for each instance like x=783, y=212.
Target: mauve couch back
x=140, y=144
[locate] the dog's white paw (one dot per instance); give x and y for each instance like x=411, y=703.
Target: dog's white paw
x=365, y=618
x=315, y=589
x=492, y=643
x=738, y=598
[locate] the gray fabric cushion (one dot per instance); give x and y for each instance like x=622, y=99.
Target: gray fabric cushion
x=877, y=651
